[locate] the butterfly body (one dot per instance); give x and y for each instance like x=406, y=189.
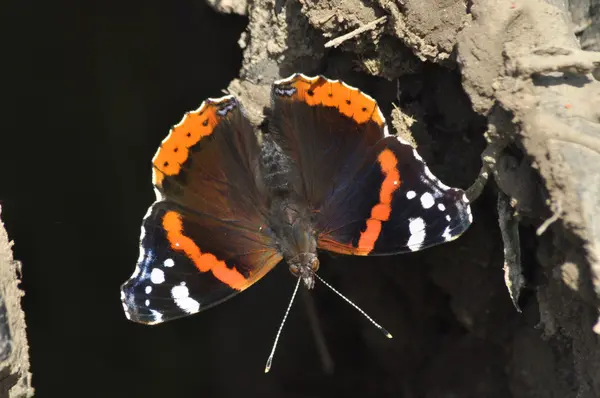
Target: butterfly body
x=291, y=223
x=233, y=202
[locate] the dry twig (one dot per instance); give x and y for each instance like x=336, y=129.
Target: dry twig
x=339, y=40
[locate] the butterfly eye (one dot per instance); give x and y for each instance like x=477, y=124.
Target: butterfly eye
x=294, y=269
x=314, y=264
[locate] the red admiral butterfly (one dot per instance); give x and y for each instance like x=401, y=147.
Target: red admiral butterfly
x=233, y=202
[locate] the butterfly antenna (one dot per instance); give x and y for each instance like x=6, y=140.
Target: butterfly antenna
x=378, y=326
x=270, y=360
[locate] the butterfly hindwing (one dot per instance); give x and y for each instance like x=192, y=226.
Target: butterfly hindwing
x=325, y=128
x=204, y=239
x=209, y=162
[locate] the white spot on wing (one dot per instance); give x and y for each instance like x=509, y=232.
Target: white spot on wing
x=448, y=218
x=447, y=235
x=125, y=307
x=147, y=303
x=126, y=310
x=169, y=263
x=157, y=276
x=441, y=207
x=411, y=194
x=182, y=298
x=148, y=289
x=157, y=316
x=416, y=227
x=470, y=214
x=179, y=292
x=427, y=200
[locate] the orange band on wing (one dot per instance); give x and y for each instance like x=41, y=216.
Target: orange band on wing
x=203, y=261
x=382, y=210
x=349, y=101
x=174, y=150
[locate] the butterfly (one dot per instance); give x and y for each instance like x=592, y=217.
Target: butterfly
x=233, y=201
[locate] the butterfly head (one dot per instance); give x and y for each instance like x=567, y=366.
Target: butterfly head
x=304, y=265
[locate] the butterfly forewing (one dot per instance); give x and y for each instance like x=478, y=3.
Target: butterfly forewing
x=189, y=262
x=394, y=205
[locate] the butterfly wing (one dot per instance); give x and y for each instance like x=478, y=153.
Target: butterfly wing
x=204, y=239
x=325, y=128
x=371, y=193
x=189, y=262
x=392, y=205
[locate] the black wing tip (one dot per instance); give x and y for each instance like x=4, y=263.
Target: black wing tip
x=134, y=312
x=140, y=315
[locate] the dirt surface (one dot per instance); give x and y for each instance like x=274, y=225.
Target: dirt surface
x=229, y=6
x=15, y=378
x=462, y=80
x=456, y=70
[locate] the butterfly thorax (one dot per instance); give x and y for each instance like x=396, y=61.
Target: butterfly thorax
x=292, y=226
